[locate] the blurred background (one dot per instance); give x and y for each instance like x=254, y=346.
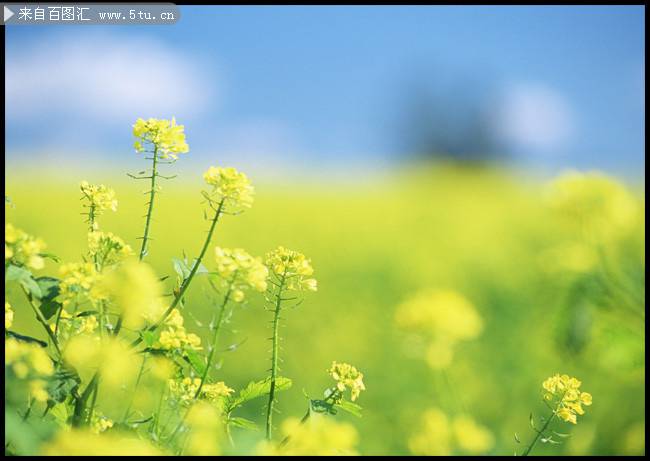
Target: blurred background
x=403, y=149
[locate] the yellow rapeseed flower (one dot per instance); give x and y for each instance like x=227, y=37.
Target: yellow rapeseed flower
x=565, y=396
x=318, y=436
x=241, y=271
x=292, y=267
x=231, y=186
x=107, y=248
x=29, y=361
x=9, y=315
x=347, y=377
x=21, y=249
x=165, y=136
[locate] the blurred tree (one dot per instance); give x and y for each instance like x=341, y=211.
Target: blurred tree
x=453, y=121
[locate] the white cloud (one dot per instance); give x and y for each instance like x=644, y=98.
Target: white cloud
x=535, y=116
x=103, y=77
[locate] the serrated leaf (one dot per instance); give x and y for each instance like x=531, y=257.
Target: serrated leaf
x=256, y=389
x=49, y=287
x=243, y=423
x=349, y=407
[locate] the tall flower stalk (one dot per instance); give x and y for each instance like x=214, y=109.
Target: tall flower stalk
x=563, y=397
x=289, y=272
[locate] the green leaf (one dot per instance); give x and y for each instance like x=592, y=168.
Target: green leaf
x=531, y=420
x=180, y=267
x=25, y=338
x=257, y=389
x=17, y=273
x=51, y=256
x=349, y=407
x=60, y=414
x=149, y=338
x=196, y=361
x=49, y=287
x=64, y=383
x=243, y=423
x=24, y=277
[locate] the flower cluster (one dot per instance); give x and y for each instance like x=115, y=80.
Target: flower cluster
x=99, y=197
x=79, y=280
x=565, y=394
x=29, y=361
x=100, y=423
x=173, y=336
x=318, y=436
x=439, y=436
x=9, y=315
x=240, y=271
x=444, y=318
x=215, y=391
x=231, y=186
x=69, y=325
x=21, y=249
x=347, y=377
x=166, y=136
x=293, y=268
x=106, y=248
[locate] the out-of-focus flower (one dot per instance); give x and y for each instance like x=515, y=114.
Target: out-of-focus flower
x=434, y=435
x=231, y=186
x=293, y=268
x=30, y=362
x=471, y=437
x=347, y=377
x=205, y=428
x=9, y=315
x=564, y=393
x=136, y=291
x=82, y=442
x=112, y=357
x=441, y=317
x=593, y=203
x=21, y=249
x=165, y=136
x=241, y=271
x=440, y=436
x=318, y=436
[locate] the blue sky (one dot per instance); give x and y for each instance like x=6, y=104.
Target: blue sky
x=291, y=88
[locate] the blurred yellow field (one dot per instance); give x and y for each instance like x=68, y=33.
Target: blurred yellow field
x=456, y=291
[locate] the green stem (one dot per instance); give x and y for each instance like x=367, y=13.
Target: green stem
x=215, y=337
x=186, y=283
x=80, y=404
x=302, y=421
x=274, y=357
x=135, y=388
x=213, y=347
x=42, y=321
x=538, y=435
x=152, y=196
